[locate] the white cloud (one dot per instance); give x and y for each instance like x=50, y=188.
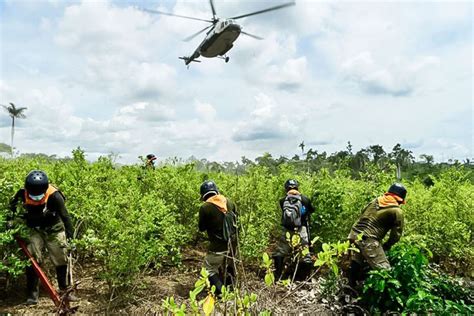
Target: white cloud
x=291, y=75
x=266, y=121
x=45, y=24
x=130, y=79
x=205, y=110
x=114, y=46
x=450, y=149
x=374, y=79
x=105, y=76
x=100, y=28
x=396, y=78
x=147, y=112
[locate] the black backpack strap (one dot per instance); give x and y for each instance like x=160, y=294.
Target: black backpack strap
x=60, y=192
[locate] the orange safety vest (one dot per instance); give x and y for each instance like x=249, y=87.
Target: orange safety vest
x=44, y=200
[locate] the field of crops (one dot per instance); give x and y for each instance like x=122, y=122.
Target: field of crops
x=130, y=221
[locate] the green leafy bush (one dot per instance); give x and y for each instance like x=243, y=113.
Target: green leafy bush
x=412, y=286
x=442, y=217
x=129, y=219
x=339, y=199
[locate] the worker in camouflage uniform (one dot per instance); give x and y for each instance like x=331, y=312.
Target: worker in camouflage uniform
x=46, y=216
x=218, y=216
x=299, y=209
x=380, y=216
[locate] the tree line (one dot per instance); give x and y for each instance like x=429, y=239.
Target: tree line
x=372, y=158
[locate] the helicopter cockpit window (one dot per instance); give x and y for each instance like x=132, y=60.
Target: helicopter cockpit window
x=222, y=25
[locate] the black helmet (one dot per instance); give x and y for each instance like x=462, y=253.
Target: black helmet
x=398, y=189
x=291, y=184
x=150, y=157
x=36, y=182
x=207, y=188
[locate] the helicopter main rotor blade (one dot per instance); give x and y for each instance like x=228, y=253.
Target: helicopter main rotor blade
x=171, y=14
x=251, y=35
x=187, y=39
x=281, y=6
x=213, y=9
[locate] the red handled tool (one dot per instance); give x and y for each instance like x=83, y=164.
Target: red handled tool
x=61, y=303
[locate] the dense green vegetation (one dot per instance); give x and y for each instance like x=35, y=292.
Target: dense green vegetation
x=129, y=219
x=413, y=286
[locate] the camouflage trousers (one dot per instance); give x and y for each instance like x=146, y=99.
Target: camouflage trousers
x=217, y=262
x=55, y=241
x=371, y=252
x=284, y=249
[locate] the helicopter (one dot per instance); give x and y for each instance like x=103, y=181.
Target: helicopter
x=221, y=34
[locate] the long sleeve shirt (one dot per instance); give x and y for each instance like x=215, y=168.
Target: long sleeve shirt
x=377, y=220
x=211, y=220
x=46, y=216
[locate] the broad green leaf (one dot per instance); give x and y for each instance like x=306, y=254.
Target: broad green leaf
x=204, y=273
x=253, y=297
x=269, y=279
x=266, y=258
x=326, y=247
x=295, y=240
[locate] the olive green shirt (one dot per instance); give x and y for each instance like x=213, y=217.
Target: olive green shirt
x=376, y=221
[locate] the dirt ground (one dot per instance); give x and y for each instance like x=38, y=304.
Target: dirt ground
x=147, y=297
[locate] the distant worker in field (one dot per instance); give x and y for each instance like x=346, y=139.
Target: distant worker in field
x=49, y=225
x=150, y=161
x=296, y=213
x=218, y=216
x=378, y=217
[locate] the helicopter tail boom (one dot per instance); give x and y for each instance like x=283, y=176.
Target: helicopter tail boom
x=188, y=60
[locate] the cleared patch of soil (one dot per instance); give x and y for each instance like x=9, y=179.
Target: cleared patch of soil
x=147, y=297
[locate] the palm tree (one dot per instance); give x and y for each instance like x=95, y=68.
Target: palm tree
x=302, y=145
x=15, y=113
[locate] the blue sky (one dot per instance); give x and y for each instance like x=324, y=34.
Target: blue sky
x=105, y=76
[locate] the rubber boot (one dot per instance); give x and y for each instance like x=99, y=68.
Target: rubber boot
x=304, y=268
x=61, y=274
x=355, y=273
x=230, y=277
x=215, y=280
x=32, y=286
x=278, y=262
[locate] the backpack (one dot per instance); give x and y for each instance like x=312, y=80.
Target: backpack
x=292, y=207
x=229, y=226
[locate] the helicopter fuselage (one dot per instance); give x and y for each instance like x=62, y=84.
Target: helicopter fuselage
x=219, y=39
